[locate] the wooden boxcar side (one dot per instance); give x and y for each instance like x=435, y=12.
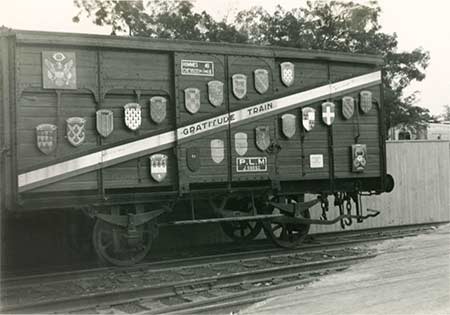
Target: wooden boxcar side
x=112, y=72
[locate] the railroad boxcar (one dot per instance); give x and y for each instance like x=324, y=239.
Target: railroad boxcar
x=135, y=132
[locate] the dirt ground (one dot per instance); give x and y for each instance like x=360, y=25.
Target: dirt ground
x=409, y=276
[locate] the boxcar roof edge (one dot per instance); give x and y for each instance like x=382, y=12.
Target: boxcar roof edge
x=143, y=43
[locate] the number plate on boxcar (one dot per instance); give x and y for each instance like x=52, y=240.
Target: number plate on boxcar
x=197, y=67
x=251, y=164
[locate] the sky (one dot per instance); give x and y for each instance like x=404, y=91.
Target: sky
x=417, y=24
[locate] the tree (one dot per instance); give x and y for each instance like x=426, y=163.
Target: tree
x=173, y=19
x=348, y=27
x=446, y=113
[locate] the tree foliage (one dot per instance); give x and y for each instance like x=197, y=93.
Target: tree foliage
x=347, y=27
x=174, y=19
x=444, y=116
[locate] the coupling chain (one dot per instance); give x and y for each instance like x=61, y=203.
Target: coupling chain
x=324, y=205
x=348, y=207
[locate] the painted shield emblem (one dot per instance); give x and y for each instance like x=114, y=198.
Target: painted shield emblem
x=348, y=107
x=288, y=125
x=215, y=93
x=262, y=137
x=287, y=73
x=105, y=122
x=46, y=136
x=217, y=150
x=308, y=118
x=365, y=101
x=261, y=80
x=59, y=70
x=133, y=116
x=158, y=167
x=359, y=153
x=192, y=100
x=158, y=106
x=328, y=113
x=75, y=130
x=193, y=158
x=239, y=85
x=240, y=143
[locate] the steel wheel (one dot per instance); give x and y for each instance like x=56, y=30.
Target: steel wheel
x=241, y=231
x=283, y=234
x=112, y=245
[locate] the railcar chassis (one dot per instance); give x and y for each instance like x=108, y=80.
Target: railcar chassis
x=124, y=235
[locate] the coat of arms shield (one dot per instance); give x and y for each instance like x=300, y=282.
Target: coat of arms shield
x=308, y=118
x=287, y=73
x=348, y=107
x=158, y=167
x=158, y=105
x=328, y=113
x=193, y=158
x=261, y=80
x=46, y=136
x=215, y=93
x=133, y=115
x=192, y=100
x=288, y=125
x=75, y=130
x=240, y=143
x=217, y=150
x=239, y=85
x=365, y=101
x=359, y=154
x=105, y=122
x=262, y=136
x=59, y=70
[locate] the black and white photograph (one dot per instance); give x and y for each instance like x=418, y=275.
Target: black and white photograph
x=225, y=157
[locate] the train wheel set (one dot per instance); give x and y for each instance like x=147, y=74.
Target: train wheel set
x=124, y=237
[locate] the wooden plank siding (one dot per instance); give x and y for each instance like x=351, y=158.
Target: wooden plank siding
x=123, y=75
x=112, y=72
x=209, y=171
x=362, y=128
x=345, y=133
x=293, y=159
x=137, y=76
x=421, y=170
x=252, y=150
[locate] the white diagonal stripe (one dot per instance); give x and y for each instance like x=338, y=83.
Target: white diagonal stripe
x=96, y=160
x=136, y=148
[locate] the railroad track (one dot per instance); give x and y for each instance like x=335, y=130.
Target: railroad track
x=195, y=284
x=229, y=251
